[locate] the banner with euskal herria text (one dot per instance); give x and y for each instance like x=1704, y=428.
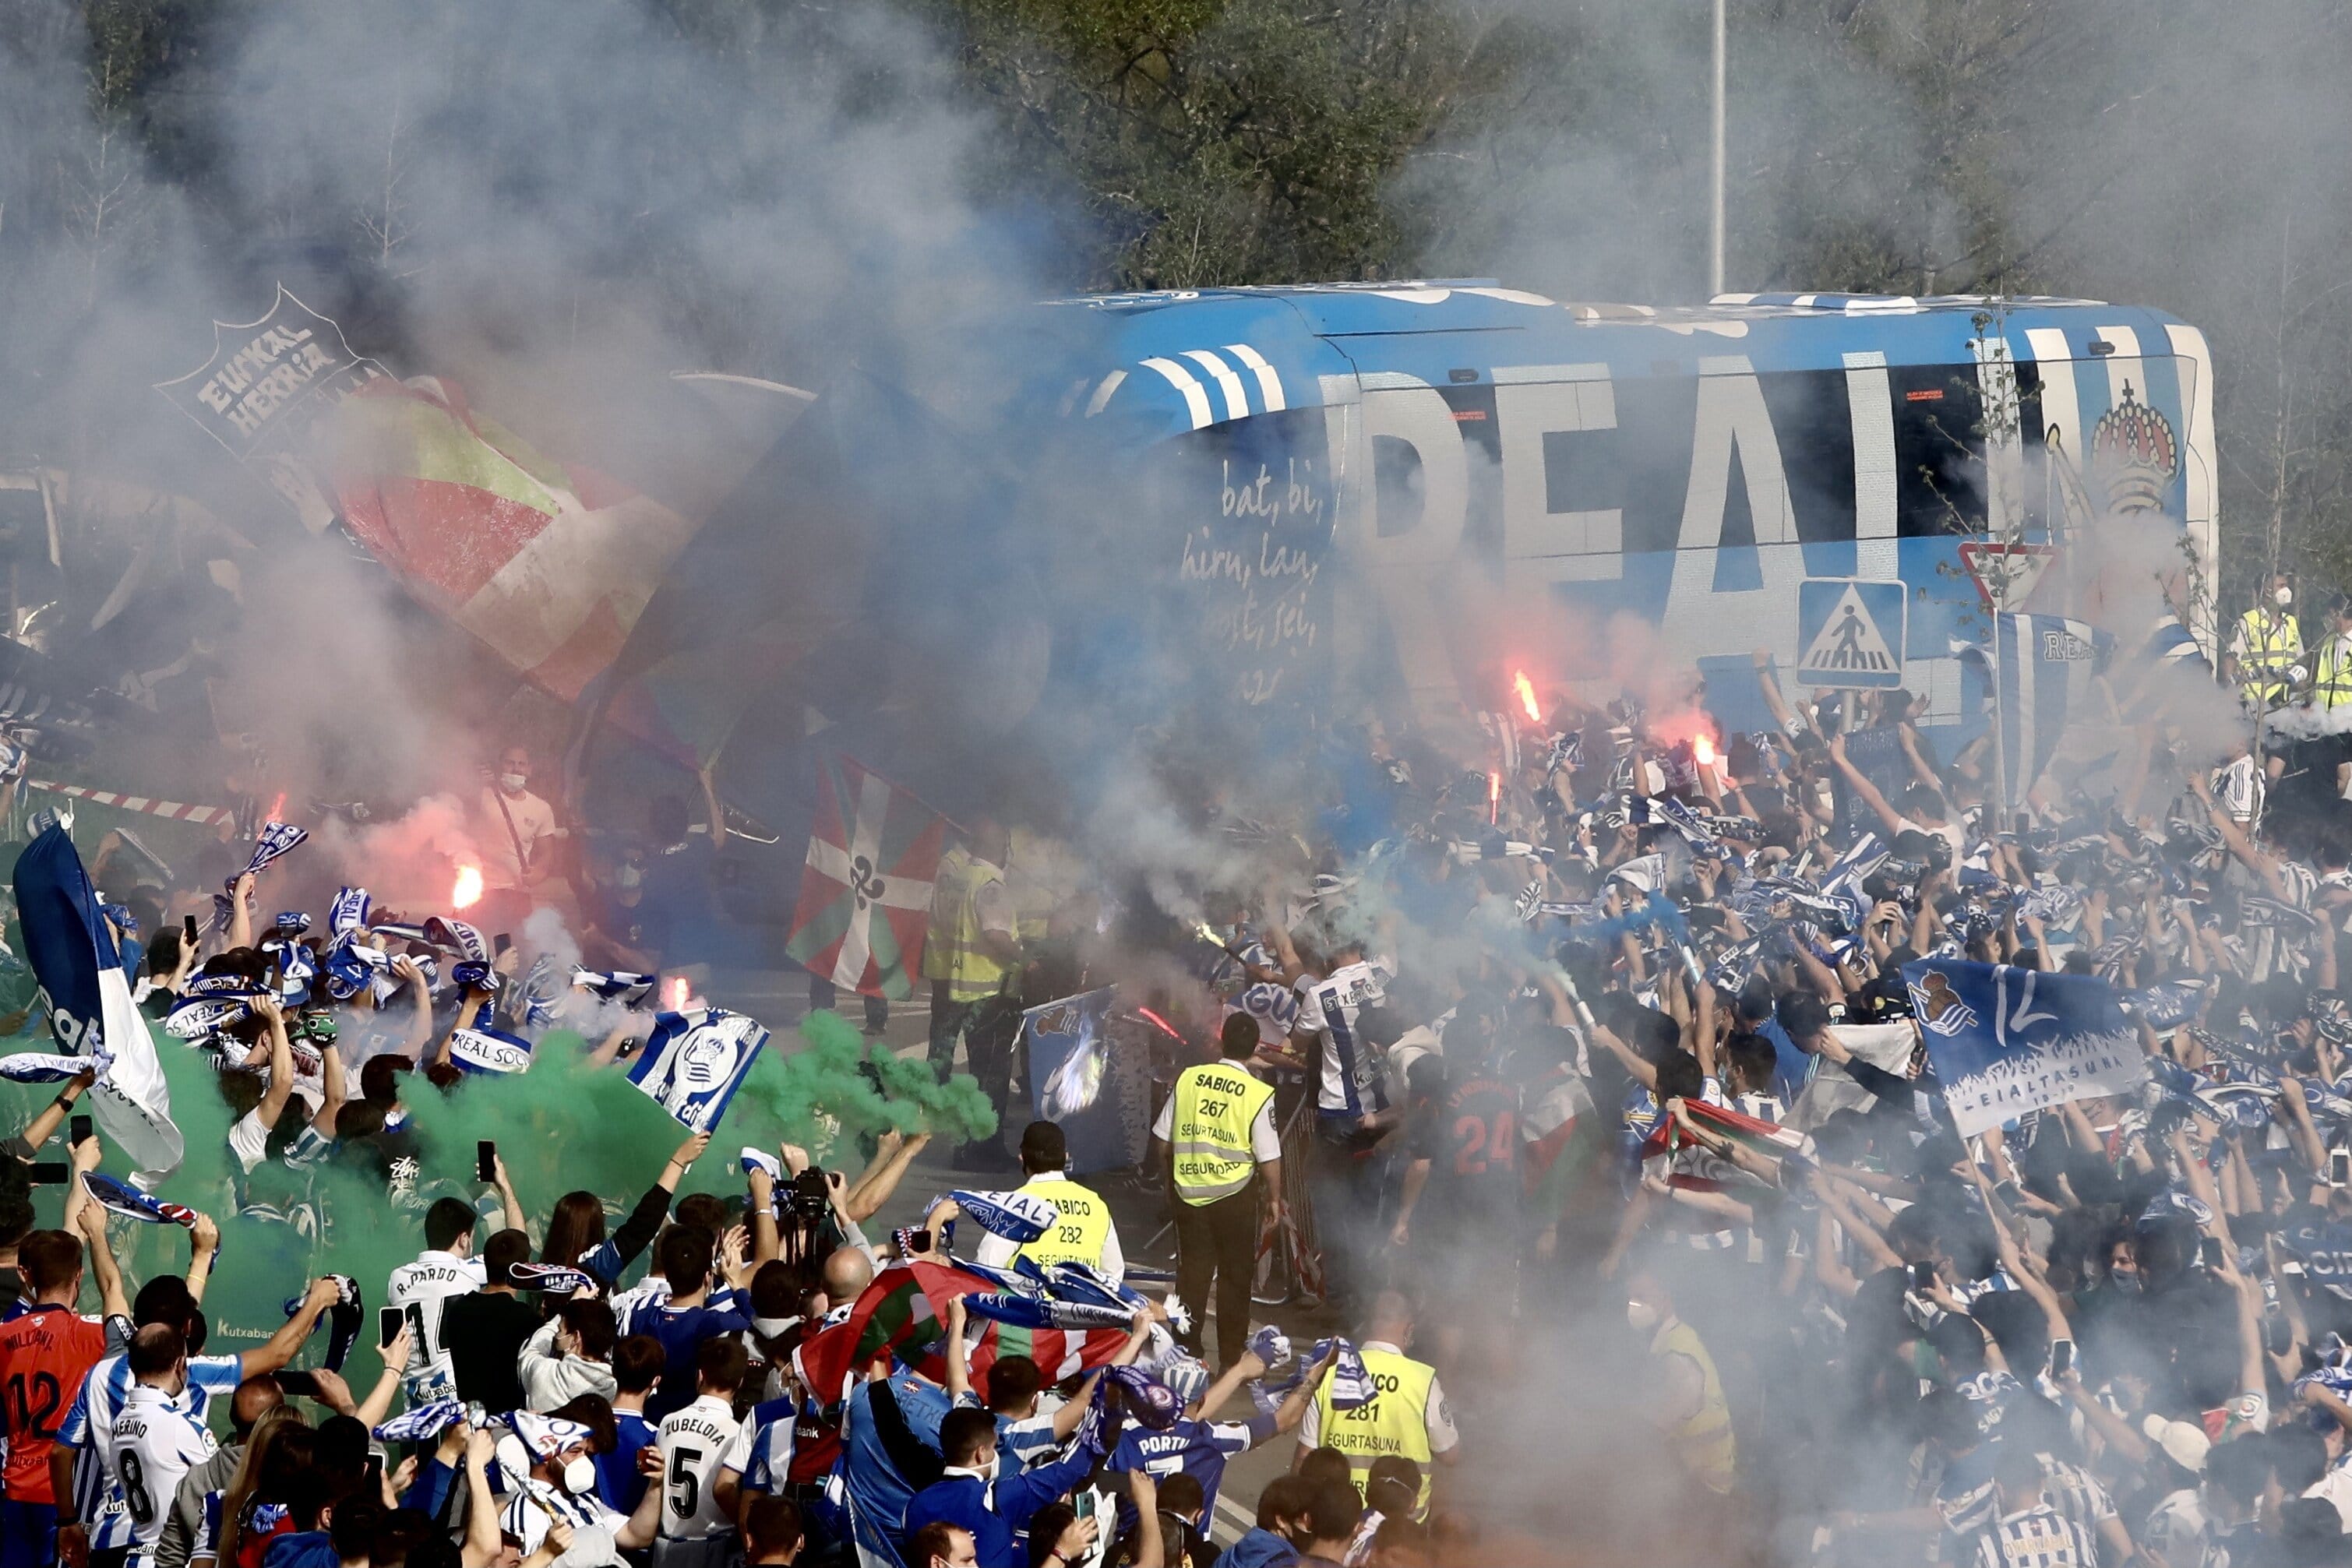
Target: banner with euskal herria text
x=264, y=391
x=2006, y=1041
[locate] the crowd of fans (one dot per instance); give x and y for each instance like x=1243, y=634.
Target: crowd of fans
x=1587, y=1027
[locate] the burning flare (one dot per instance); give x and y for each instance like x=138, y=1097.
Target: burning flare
x=468, y=892
x=1703, y=750
x=673, y=994
x=1527, y=690
x=1494, y=798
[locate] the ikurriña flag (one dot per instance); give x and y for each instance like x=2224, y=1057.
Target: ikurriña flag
x=865, y=893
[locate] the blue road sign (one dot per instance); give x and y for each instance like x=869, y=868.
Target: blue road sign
x=1850, y=633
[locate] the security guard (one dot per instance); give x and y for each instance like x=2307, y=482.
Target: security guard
x=1214, y=1135
x=2331, y=676
x=970, y=957
x=1407, y=1415
x=1082, y=1232
x=2267, y=645
x=1693, y=1416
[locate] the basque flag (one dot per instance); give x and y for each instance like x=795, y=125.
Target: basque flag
x=865, y=893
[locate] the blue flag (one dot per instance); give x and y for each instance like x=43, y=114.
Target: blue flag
x=2007, y=1041
x=695, y=1062
x=88, y=997
x=1079, y=1082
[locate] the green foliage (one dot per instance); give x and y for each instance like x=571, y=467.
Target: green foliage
x=1246, y=142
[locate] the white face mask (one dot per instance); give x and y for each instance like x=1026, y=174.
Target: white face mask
x=1642, y=1315
x=513, y=781
x=628, y=876
x=579, y=1475
x=2282, y=597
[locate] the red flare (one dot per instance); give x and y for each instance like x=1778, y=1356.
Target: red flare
x=276, y=809
x=1703, y=750
x=673, y=994
x=1527, y=691
x=468, y=892
x=1494, y=798
x=1161, y=1024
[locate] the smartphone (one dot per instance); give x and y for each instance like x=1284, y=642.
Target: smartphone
x=486, y=1161
x=387, y=1325
x=296, y=1383
x=501, y=943
x=2209, y=1253
x=77, y=1130
x=2339, y=1167
x=2062, y=1357
x=1923, y=1276
x=188, y=929
x=51, y=1173
x=376, y=1469
x=918, y=1241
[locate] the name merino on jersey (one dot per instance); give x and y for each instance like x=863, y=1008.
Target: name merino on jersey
x=694, y=1441
x=153, y=1444
x=421, y=1290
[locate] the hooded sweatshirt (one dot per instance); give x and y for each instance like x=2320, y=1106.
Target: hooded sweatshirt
x=550, y=1381
x=1259, y=1548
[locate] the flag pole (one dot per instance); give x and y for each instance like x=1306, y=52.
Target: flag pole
x=2000, y=742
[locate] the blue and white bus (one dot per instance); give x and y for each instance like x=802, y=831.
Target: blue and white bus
x=1412, y=486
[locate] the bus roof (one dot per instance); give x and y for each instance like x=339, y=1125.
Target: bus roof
x=1161, y=364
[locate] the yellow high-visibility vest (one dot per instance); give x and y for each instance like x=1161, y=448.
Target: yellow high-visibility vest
x=1703, y=1443
x=1080, y=1226
x=2331, y=685
x=952, y=954
x=2267, y=653
x=1208, y=1130
x=1395, y=1420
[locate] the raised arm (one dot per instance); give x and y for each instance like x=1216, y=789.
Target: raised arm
x=282, y=1062
x=240, y=911
x=102, y=1267
x=893, y=1152
x=53, y=1116
x=1863, y=789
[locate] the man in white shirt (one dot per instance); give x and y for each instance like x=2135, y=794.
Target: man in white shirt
x=704, y=1453
x=446, y=1270
x=154, y=1441
x=510, y=825
x=1351, y=1107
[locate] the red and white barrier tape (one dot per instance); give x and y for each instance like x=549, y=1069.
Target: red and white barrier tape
x=171, y=809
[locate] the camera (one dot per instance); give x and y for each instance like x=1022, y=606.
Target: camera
x=807, y=1198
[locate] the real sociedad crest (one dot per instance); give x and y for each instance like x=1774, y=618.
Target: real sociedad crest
x=2135, y=453
x=1940, y=1011
x=708, y=1057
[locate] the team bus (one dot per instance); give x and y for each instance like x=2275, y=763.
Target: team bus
x=1414, y=486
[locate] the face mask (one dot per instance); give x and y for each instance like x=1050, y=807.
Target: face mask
x=2129, y=1284
x=579, y=1474
x=513, y=780
x=2282, y=597
x=1642, y=1315
x=628, y=876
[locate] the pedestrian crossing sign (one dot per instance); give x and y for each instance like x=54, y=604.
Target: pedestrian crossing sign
x=1851, y=631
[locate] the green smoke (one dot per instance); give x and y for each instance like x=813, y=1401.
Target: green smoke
x=562, y=1125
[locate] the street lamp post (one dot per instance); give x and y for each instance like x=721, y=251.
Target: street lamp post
x=1714, y=227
